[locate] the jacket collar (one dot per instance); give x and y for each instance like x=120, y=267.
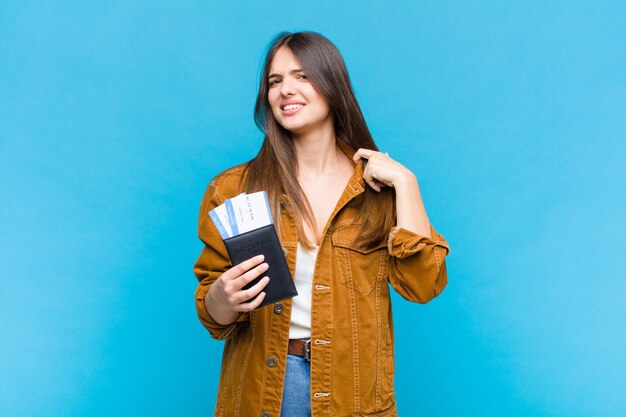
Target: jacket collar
x=356, y=182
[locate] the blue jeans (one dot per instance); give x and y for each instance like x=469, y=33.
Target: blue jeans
x=297, y=392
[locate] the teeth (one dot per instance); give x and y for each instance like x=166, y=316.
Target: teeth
x=292, y=106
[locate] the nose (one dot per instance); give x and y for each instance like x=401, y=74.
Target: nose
x=286, y=87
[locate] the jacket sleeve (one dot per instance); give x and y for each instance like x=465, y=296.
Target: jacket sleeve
x=417, y=267
x=211, y=263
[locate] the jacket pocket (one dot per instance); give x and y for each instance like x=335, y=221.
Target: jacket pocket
x=360, y=268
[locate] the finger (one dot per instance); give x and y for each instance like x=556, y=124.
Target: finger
x=247, y=294
x=241, y=268
x=370, y=153
x=244, y=279
x=372, y=183
x=380, y=156
x=374, y=186
x=249, y=306
x=362, y=153
x=375, y=158
x=380, y=184
x=368, y=172
x=369, y=178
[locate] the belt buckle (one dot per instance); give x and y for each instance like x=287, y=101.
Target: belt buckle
x=307, y=350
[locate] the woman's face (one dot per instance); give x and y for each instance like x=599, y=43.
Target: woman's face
x=296, y=105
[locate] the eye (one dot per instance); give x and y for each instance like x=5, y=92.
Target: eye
x=273, y=81
x=302, y=76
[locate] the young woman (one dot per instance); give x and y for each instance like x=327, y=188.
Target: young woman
x=350, y=219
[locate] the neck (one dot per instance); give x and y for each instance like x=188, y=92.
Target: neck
x=316, y=152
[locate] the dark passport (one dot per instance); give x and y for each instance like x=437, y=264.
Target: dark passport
x=264, y=240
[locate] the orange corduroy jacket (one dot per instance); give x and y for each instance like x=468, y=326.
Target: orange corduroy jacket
x=352, y=359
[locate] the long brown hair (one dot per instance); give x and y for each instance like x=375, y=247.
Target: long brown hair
x=275, y=166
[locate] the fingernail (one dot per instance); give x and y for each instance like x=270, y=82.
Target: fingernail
x=260, y=257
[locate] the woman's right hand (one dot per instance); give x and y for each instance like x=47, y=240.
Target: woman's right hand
x=226, y=297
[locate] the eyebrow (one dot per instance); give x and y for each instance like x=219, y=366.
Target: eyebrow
x=291, y=72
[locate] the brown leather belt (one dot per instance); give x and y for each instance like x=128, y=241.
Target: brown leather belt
x=300, y=347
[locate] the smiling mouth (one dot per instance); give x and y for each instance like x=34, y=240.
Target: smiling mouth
x=292, y=107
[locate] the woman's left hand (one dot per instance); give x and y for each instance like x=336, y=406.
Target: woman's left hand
x=381, y=170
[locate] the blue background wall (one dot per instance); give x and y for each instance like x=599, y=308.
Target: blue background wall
x=115, y=115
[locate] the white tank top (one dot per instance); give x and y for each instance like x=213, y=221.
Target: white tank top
x=300, y=327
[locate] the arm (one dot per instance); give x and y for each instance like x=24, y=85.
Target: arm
x=211, y=263
x=221, y=303
x=417, y=268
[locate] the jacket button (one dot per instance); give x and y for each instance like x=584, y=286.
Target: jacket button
x=271, y=362
x=265, y=414
x=278, y=308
